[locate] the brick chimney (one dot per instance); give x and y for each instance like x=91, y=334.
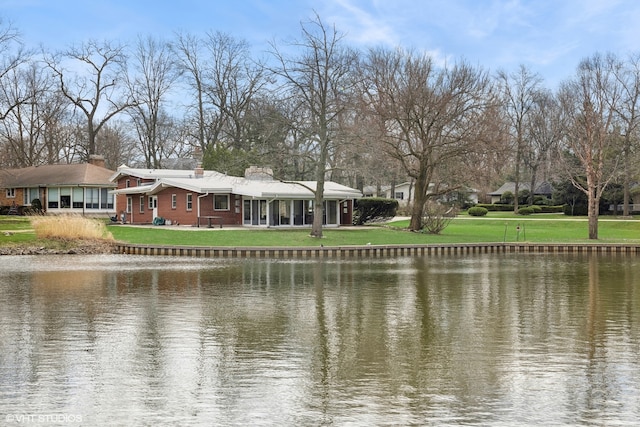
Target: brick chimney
x=198, y=172
x=96, y=160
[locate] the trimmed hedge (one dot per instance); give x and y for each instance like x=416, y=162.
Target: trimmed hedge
x=370, y=208
x=578, y=210
x=498, y=207
x=477, y=211
x=525, y=211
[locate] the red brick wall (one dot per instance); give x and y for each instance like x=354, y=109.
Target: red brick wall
x=136, y=216
x=190, y=217
x=7, y=201
x=180, y=214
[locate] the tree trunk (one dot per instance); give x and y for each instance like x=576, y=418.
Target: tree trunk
x=532, y=186
x=418, y=205
x=516, y=189
x=627, y=184
x=593, y=215
x=318, y=205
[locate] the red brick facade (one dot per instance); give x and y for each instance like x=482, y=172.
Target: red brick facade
x=184, y=206
x=177, y=205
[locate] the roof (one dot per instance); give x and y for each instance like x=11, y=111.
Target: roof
x=84, y=174
x=147, y=173
x=542, y=188
x=216, y=182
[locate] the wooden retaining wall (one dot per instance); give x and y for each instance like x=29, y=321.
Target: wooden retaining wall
x=372, y=251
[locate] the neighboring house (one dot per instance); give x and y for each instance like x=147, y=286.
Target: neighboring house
x=543, y=189
x=82, y=188
x=401, y=192
x=199, y=197
x=404, y=193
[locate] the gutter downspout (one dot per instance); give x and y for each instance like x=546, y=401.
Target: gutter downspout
x=200, y=197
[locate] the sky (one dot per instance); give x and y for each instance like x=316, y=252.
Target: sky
x=550, y=37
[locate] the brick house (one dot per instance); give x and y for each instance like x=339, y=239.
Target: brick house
x=82, y=188
x=198, y=197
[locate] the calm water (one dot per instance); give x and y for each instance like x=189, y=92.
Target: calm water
x=441, y=340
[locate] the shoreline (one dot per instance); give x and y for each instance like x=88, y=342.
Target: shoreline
x=358, y=251
x=65, y=248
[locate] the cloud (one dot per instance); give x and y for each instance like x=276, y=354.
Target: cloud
x=361, y=26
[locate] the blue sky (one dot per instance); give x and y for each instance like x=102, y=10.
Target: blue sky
x=548, y=36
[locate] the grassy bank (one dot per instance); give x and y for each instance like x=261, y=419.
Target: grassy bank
x=459, y=231
x=53, y=234
x=500, y=228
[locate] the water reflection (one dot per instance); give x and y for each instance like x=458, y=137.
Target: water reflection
x=475, y=340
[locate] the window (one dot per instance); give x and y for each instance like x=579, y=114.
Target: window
x=30, y=194
x=92, y=196
x=221, y=202
x=129, y=204
x=127, y=183
x=142, y=203
x=150, y=204
x=174, y=201
x=399, y=195
x=53, y=201
x=78, y=198
x=65, y=197
x=189, y=201
x=106, y=199
x=11, y=193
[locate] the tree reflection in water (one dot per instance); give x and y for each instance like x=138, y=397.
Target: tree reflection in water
x=499, y=339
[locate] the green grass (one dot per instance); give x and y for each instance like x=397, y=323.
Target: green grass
x=497, y=227
x=545, y=229
x=15, y=230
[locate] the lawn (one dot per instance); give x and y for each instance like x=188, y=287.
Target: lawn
x=556, y=229
x=15, y=229
x=463, y=229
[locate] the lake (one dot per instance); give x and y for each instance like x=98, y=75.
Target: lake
x=482, y=339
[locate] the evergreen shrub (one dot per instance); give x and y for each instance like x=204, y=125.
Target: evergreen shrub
x=477, y=211
x=552, y=209
x=497, y=207
x=577, y=210
x=525, y=211
x=371, y=208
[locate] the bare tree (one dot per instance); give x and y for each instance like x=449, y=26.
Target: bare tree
x=28, y=127
x=543, y=133
x=627, y=75
x=90, y=76
x=224, y=80
x=155, y=73
x=116, y=145
x=319, y=78
x=431, y=118
x=588, y=105
x=274, y=140
x=518, y=91
x=12, y=55
x=188, y=51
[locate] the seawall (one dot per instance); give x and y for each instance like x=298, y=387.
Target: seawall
x=372, y=250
